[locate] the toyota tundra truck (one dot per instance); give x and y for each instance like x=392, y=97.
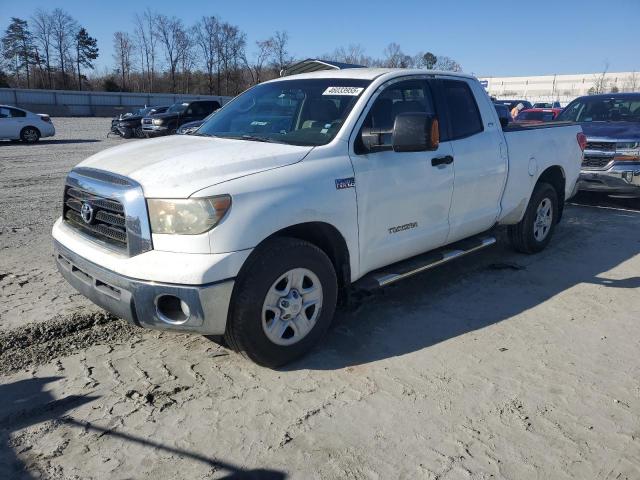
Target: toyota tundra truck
x=301, y=190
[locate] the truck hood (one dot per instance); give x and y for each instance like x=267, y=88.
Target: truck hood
x=180, y=165
x=613, y=130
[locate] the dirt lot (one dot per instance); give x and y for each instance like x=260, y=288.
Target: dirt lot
x=500, y=366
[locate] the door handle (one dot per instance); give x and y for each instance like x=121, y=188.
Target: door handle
x=446, y=160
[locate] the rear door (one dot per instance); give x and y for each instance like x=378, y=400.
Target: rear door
x=480, y=157
x=403, y=199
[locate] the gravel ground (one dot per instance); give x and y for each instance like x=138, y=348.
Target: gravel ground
x=500, y=366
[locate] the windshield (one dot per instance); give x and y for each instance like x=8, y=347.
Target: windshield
x=177, y=108
x=296, y=112
x=599, y=109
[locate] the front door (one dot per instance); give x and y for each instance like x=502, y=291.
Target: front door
x=403, y=199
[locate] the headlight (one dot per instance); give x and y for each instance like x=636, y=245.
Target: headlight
x=187, y=217
x=157, y=121
x=628, y=151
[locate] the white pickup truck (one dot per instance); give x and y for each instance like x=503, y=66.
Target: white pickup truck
x=298, y=191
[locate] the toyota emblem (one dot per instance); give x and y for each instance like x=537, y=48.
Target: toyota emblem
x=86, y=212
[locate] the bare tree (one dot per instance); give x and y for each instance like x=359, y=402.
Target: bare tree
x=207, y=36
x=394, y=57
x=231, y=51
x=64, y=29
x=43, y=36
x=169, y=30
x=144, y=27
x=601, y=82
x=632, y=83
x=264, y=49
x=279, y=50
x=354, y=54
x=187, y=58
x=123, y=48
x=447, y=64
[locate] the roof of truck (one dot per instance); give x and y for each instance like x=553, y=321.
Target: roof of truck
x=369, y=73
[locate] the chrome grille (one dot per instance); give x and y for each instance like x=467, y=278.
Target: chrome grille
x=108, y=223
x=118, y=215
x=594, y=161
x=147, y=121
x=601, y=146
x=598, y=154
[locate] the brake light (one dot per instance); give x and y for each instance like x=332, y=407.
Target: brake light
x=46, y=118
x=582, y=140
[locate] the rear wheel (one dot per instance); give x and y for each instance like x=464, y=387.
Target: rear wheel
x=30, y=135
x=534, y=231
x=283, y=302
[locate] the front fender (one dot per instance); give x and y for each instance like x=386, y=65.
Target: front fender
x=270, y=201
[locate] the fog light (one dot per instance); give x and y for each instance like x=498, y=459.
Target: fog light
x=172, y=309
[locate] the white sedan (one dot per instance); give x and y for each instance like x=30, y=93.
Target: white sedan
x=19, y=124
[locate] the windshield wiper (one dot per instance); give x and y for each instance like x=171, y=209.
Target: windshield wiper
x=256, y=138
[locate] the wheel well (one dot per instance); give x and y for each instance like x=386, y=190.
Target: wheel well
x=556, y=178
x=328, y=239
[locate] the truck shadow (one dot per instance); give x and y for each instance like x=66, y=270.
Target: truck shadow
x=480, y=290
x=26, y=403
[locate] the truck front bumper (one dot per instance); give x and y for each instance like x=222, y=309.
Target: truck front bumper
x=620, y=179
x=188, y=308
x=155, y=130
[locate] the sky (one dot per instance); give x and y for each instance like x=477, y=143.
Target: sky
x=487, y=37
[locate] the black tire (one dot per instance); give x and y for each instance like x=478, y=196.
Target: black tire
x=245, y=332
x=138, y=133
x=30, y=135
x=522, y=235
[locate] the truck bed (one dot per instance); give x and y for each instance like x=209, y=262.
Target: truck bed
x=532, y=149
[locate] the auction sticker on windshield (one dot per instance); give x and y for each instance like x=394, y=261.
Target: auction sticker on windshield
x=352, y=91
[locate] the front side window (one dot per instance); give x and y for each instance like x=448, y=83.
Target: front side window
x=401, y=97
x=296, y=112
x=464, y=116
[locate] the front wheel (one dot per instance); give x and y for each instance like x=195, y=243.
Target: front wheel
x=284, y=301
x=534, y=231
x=138, y=132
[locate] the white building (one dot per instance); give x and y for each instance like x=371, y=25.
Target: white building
x=560, y=87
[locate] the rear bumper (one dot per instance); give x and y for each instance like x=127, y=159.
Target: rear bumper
x=619, y=179
x=137, y=301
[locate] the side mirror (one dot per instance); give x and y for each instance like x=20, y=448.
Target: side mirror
x=415, y=132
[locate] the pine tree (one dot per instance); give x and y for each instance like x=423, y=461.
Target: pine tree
x=86, y=52
x=17, y=45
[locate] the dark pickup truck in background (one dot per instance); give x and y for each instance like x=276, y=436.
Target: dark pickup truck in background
x=611, y=123
x=130, y=124
x=178, y=114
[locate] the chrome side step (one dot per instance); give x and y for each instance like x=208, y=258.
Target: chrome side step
x=412, y=266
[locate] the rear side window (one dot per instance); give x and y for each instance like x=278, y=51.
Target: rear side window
x=464, y=116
